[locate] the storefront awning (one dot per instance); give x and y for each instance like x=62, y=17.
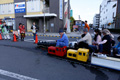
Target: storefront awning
x=41, y=15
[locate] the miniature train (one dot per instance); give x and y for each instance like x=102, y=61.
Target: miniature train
x=82, y=55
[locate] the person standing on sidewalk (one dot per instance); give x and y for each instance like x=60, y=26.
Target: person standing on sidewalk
x=22, y=31
x=34, y=28
x=5, y=31
x=87, y=26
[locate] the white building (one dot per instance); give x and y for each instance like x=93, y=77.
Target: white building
x=96, y=20
x=108, y=10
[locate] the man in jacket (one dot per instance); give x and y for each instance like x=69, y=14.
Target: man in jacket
x=87, y=38
x=34, y=28
x=63, y=41
x=87, y=26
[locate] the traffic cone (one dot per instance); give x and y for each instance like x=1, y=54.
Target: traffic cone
x=14, y=38
x=0, y=36
x=36, y=39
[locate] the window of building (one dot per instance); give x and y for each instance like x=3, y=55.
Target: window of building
x=114, y=5
x=7, y=8
x=33, y=6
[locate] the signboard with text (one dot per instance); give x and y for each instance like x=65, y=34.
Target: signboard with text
x=20, y=7
x=61, y=9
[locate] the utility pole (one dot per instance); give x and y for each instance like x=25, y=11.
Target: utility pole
x=79, y=17
x=68, y=22
x=44, y=17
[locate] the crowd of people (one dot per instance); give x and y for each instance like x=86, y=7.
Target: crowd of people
x=4, y=29
x=102, y=43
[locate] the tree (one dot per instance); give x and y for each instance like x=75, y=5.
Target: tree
x=72, y=20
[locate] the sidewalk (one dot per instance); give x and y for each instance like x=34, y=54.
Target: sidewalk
x=70, y=35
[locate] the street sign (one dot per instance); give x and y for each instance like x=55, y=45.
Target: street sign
x=20, y=7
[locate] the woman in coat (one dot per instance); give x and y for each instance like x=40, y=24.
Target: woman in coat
x=22, y=31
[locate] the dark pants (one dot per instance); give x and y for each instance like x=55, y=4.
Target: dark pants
x=81, y=45
x=34, y=35
x=93, y=48
x=100, y=48
x=22, y=36
x=115, y=51
x=60, y=44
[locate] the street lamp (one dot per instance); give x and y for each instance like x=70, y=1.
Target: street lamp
x=44, y=16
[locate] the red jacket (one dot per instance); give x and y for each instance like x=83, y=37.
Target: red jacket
x=22, y=29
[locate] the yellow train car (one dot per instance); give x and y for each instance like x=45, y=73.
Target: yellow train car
x=80, y=54
x=83, y=54
x=72, y=54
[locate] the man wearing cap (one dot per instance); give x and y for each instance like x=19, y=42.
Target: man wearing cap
x=87, y=38
x=63, y=41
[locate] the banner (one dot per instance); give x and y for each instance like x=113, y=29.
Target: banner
x=61, y=9
x=20, y=7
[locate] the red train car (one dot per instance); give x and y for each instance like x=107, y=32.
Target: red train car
x=58, y=51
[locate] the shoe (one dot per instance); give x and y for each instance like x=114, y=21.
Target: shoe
x=118, y=55
x=102, y=56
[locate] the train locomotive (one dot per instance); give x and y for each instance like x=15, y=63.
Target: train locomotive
x=81, y=54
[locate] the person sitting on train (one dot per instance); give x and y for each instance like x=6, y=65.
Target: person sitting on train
x=85, y=40
x=116, y=49
x=105, y=44
x=63, y=41
x=112, y=37
x=96, y=40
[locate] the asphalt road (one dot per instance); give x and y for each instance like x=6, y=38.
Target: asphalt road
x=22, y=61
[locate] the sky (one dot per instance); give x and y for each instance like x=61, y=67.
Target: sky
x=85, y=8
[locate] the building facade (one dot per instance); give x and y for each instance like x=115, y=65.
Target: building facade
x=118, y=16
x=108, y=10
x=96, y=20
x=50, y=13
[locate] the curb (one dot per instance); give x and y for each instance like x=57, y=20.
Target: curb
x=51, y=36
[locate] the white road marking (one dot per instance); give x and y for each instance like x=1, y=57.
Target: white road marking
x=15, y=75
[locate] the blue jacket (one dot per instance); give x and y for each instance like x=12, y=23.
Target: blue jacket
x=117, y=46
x=64, y=39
